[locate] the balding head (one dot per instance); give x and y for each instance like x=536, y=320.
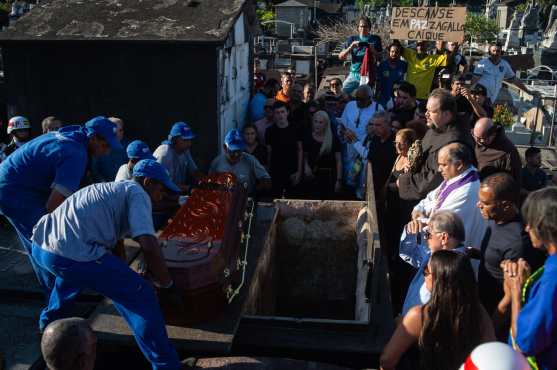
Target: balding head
x=484, y=131
x=69, y=344
x=363, y=96
x=453, y=159
x=119, y=127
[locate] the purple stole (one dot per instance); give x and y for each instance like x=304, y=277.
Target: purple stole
x=445, y=189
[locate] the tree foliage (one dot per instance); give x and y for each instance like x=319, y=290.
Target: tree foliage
x=265, y=15
x=374, y=3
x=479, y=28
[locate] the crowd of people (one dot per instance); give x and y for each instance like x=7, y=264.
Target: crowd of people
x=469, y=233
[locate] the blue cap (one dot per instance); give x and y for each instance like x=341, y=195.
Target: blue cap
x=137, y=149
x=234, y=140
x=105, y=128
x=154, y=170
x=181, y=129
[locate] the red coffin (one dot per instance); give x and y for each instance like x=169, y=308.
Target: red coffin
x=202, y=249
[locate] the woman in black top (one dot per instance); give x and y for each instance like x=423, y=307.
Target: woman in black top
x=448, y=327
x=322, y=161
x=252, y=144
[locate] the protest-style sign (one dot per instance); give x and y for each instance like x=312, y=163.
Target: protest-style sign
x=428, y=23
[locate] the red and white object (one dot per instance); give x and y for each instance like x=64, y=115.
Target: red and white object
x=495, y=356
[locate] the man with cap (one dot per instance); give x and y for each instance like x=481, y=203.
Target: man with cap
x=174, y=154
x=72, y=248
x=36, y=179
x=104, y=168
x=245, y=166
x=136, y=151
x=19, y=129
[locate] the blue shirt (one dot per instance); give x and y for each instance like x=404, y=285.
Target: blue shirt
x=54, y=160
x=359, y=52
x=537, y=321
x=106, y=167
x=90, y=222
x=416, y=255
x=387, y=76
x=257, y=106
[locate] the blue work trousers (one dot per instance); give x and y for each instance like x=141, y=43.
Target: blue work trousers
x=23, y=219
x=132, y=296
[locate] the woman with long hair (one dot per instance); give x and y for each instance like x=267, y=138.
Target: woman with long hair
x=531, y=296
x=253, y=146
x=450, y=325
x=322, y=161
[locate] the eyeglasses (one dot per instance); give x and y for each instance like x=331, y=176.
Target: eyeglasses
x=334, y=84
x=429, y=234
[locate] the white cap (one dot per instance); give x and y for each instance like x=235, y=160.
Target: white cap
x=495, y=356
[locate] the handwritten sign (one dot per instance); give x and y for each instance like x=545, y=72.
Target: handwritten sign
x=428, y=23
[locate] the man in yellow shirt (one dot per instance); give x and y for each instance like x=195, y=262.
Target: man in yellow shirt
x=421, y=66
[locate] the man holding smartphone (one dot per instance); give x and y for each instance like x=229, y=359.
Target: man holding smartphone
x=469, y=109
x=356, y=46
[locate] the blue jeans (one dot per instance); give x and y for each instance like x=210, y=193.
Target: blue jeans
x=133, y=297
x=351, y=83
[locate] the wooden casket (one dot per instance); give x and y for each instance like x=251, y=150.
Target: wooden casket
x=202, y=247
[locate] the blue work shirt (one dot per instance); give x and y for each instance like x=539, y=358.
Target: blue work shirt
x=387, y=76
x=54, y=160
x=257, y=106
x=105, y=168
x=359, y=52
x=537, y=321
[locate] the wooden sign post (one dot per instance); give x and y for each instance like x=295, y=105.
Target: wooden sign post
x=428, y=23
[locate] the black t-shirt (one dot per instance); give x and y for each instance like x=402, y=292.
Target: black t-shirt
x=260, y=152
x=312, y=148
x=504, y=241
x=532, y=182
x=382, y=156
x=404, y=115
x=284, y=149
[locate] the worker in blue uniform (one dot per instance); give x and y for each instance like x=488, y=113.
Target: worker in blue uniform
x=36, y=179
x=531, y=296
x=73, y=245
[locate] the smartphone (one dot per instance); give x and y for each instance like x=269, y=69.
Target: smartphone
x=363, y=43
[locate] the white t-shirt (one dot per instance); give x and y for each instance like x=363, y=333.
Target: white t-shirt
x=90, y=222
x=492, y=75
x=124, y=173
